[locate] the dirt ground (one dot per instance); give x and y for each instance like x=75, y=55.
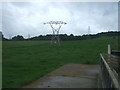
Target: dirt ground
x=69, y=76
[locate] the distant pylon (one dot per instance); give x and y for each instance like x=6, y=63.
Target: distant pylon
x=28, y=36
x=88, y=30
x=10, y=36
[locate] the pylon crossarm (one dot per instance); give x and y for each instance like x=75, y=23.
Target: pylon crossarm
x=55, y=22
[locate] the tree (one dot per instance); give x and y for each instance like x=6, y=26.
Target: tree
x=18, y=37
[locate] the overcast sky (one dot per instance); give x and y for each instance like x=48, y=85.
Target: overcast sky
x=23, y=18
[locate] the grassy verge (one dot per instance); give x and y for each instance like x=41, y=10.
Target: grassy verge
x=25, y=61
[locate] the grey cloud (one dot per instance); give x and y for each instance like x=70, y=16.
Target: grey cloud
x=21, y=4
x=0, y=16
x=27, y=18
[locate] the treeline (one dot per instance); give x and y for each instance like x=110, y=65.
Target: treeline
x=65, y=37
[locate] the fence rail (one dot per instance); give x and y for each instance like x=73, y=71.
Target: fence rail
x=109, y=78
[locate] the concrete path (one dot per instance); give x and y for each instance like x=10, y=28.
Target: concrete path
x=69, y=76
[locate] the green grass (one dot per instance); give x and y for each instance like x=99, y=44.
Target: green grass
x=26, y=61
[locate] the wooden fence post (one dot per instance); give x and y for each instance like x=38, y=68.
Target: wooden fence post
x=109, y=49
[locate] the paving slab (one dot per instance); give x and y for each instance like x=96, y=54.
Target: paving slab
x=69, y=76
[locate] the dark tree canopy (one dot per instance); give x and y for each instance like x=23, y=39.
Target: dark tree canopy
x=18, y=37
x=65, y=37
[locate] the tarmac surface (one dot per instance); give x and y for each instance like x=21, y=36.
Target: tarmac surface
x=69, y=76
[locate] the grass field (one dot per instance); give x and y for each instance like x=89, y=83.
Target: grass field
x=26, y=61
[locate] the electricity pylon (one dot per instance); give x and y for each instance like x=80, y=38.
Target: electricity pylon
x=55, y=37
x=88, y=30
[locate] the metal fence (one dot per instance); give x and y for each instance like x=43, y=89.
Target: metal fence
x=109, y=78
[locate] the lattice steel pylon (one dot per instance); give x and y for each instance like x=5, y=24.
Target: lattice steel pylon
x=88, y=30
x=55, y=37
